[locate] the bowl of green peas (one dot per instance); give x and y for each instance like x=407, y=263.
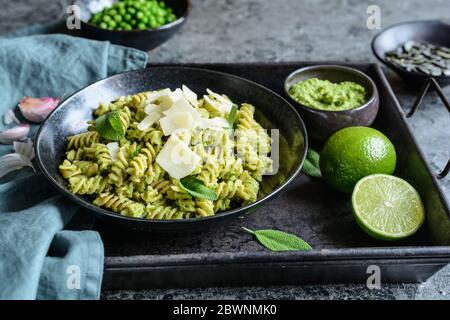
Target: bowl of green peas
x=141, y=24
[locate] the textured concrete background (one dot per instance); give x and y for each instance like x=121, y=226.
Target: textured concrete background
x=287, y=30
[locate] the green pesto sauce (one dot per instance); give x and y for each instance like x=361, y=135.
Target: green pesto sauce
x=326, y=95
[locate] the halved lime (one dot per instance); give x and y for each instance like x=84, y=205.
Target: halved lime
x=387, y=207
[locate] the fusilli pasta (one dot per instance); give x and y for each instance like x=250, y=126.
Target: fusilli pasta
x=127, y=177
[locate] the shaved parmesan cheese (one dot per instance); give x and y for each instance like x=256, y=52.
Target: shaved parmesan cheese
x=155, y=95
x=168, y=100
x=218, y=97
x=150, y=107
x=216, y=122
x=177, y=121
x=183, y=105
x=190, y=95
x=219, y=106
x=148, y=121
x=177, y=159
x=113, y=148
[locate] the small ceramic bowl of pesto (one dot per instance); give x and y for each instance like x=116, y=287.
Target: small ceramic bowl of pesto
x=332, y=97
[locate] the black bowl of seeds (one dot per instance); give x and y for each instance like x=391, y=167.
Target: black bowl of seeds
x=416, y=50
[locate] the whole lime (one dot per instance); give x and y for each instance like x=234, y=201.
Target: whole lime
x=354, y=153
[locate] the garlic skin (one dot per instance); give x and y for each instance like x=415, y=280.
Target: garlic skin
x=10, y=117
x=22, y=157
x=16, y=133
x=37, y=109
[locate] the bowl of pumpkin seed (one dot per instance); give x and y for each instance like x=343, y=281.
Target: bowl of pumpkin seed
x=416, y=50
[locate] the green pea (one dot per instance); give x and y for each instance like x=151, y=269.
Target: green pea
x=140, y=15
x=122, y=11
x=113, y=12
x=95, y=19
x=131, y=10
x=117, y=18
x=142, y=26
x=128, y=27
x=112, y=24
x=171, y=17
x=103, y=25
x=127, y=17
x=107, y=18
x=160, y=20
x=153, y=23
x=133, y=22
x=144, y=20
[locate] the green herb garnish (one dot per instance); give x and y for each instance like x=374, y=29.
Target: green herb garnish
x=109, y=126
x=135, y=153
x=197, y=188
x=278, y=240
x=232, y=115
x=311, y=166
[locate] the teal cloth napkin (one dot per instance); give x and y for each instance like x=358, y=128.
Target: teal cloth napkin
x=38, y=259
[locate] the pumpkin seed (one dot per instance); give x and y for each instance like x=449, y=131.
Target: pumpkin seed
x=421, y=57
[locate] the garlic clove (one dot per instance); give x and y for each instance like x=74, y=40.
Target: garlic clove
x=25, y=148
x=22, y=157
x=10, y=117
x=37, y=109
x=16, y=133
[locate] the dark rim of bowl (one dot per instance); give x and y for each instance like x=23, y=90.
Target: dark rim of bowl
x=179, y=20
x=397, y=68
x=218, y=216
x=332, y=66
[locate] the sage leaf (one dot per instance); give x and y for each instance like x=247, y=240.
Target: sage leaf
x=109, y=126
x=275, y=240
x=197, y=188
x=311, y=165
x=232, y=115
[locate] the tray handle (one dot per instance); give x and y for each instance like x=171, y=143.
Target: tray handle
x=423, y=91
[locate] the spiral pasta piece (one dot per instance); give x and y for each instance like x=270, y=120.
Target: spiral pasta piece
x=245, y=117
x=119, y=167
x=82, y=184
x=68, y=169
x=121, y=205
x=125, y=118
x=161, y=212
x=205, y=208
x=103, y=157
x=77, y=154
x=229, y=189
x=142, y=161
x=84, y=139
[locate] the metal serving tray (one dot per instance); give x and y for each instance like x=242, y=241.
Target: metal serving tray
x=228, y=256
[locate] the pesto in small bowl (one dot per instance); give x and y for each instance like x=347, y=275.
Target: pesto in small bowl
x=325, y=95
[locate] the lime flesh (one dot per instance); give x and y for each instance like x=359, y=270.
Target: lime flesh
x=387, y=207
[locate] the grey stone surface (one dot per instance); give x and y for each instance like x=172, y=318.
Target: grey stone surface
x=287, y=30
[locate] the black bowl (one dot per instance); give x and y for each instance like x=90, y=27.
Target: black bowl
x=140, y=39
x=321, y=124
x=431, y=31
x=272, y=112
